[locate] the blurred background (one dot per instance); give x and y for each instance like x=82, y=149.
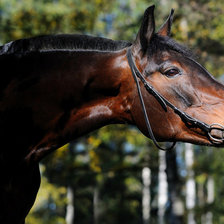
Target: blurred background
x=115, y=175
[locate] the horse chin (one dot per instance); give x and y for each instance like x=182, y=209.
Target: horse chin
x=199, y=138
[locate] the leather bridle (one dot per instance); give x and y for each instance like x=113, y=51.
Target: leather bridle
x=187, y=119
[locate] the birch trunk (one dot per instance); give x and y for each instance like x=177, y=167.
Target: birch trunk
x=162, y=188
x=70, y=209
x=190, y=183
x=146, y=179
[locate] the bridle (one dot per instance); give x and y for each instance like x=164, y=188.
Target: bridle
x=189, y=121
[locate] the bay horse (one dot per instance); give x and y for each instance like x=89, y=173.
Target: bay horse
x=56, y=88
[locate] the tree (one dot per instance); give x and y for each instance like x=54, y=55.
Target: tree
x=22, y=19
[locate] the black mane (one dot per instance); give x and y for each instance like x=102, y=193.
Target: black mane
x=165, y=43
x=85, y=42
x=62, y=42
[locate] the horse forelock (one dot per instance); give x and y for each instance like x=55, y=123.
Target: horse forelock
x=165, y=43
x=62, y=42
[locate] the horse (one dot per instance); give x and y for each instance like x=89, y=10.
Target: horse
x=56, y=88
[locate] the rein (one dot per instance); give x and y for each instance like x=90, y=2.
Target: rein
x=187, y=119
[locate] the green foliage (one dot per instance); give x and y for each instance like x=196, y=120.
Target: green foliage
x=52, y=199
x=28, y=18
x=107, y=160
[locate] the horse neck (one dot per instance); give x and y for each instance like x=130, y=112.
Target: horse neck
x=101, y=103
x=102, y=93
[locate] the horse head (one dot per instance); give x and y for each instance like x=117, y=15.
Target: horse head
x=196, y=114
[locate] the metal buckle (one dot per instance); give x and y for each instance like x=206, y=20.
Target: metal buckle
x=218, y=136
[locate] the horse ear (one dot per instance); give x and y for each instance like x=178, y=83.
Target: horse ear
x=166, y=27
x=147, y=29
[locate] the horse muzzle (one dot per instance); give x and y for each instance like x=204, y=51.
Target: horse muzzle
x=216, y=133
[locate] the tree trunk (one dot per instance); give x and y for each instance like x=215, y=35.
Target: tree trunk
x=190, y=183
x=176, y=209
x=162, y=189
x=146, y=179
x=70, y=210
x=210, y=199
x=96, y=204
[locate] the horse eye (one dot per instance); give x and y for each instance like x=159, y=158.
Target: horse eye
x=172, y=72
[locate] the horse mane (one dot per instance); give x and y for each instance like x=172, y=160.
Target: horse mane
x=86, y=42
x=62, y=42
x=165, y=43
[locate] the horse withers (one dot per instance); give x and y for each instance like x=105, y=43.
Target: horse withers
x=55, y=89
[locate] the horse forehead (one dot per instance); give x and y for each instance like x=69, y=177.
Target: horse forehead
x=172, y=57
x=162, y=56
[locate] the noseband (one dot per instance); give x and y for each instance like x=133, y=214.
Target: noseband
x=190, y=122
